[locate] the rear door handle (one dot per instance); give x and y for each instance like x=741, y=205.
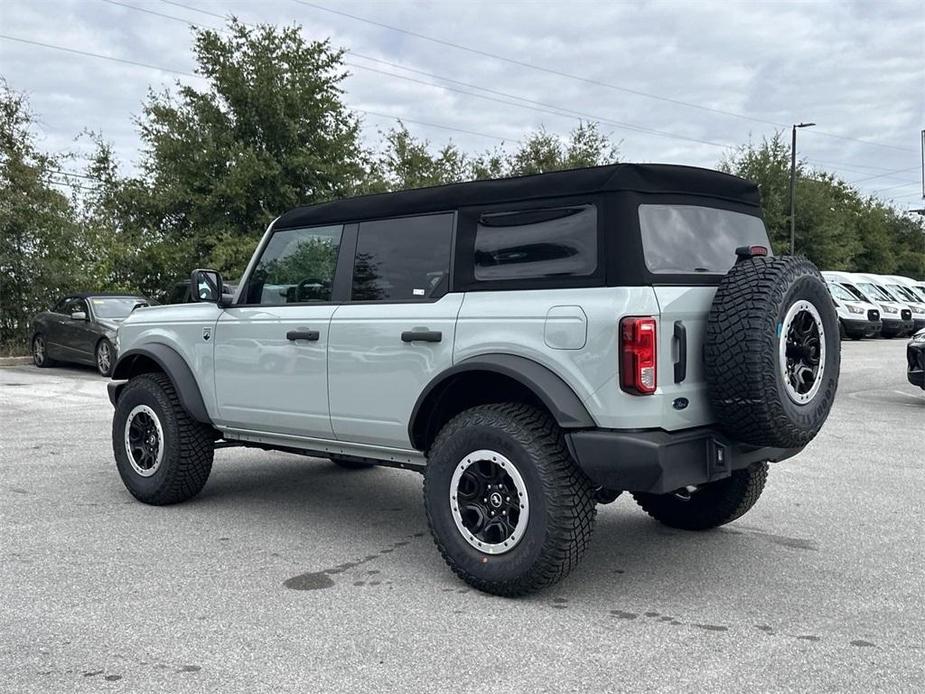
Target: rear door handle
x=680, y=366
x=310, y=335
x=421, y=336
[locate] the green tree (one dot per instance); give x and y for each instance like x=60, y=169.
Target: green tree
x=268, y=132
x=42, y=255
x=406, y=162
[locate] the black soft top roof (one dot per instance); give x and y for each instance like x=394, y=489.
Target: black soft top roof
x=642, y=178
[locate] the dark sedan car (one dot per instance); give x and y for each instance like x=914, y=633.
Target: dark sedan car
x=915, y=356
x=81, y=328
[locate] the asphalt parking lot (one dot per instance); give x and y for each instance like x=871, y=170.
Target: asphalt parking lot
x=289, y=573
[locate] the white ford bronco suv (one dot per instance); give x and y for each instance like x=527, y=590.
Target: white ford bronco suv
x=533, y=346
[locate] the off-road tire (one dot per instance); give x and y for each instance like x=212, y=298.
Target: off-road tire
x=350, y=463
x=188, y=445
x=46, y=362
x=562, y=507
x=741, y=352
x=711, y=505
x=103, y=344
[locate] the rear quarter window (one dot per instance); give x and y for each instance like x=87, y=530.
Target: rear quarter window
x=688, y=239
x=538, y=243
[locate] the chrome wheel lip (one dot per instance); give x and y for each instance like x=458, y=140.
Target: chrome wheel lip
x=129, y=449
x=796, y=309
x=514, y=474
x=103, y=357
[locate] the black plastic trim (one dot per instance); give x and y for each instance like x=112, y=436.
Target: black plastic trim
x=659, y=461
x=177, y=370
x=558, y=397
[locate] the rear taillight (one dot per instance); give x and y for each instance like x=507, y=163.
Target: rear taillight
x=638, y=355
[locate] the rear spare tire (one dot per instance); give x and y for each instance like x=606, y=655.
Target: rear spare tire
x=772, y=351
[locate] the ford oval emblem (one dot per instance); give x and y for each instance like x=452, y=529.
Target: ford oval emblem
x=680, y=403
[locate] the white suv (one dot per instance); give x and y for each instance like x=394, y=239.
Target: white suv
x=533, y=346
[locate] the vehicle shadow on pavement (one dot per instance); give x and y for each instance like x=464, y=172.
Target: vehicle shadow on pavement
x=366, y=508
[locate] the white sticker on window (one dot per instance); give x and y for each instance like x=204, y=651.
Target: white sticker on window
x=417, y=292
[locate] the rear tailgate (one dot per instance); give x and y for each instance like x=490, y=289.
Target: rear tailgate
x=681, y=376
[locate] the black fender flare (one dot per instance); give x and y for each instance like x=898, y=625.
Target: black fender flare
x=563, y=404
x=171, y=363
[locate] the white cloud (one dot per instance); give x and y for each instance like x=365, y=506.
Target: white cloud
x=857, y=69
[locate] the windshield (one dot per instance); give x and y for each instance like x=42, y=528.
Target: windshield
x=692, y=238
x=839, y=292
x=115, y=307
x=874, y=291
x=902, y=293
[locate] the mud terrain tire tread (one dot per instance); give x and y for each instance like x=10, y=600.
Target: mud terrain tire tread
x=187, y=459
x=715, y=504
x=741, y=352
x=568, y=495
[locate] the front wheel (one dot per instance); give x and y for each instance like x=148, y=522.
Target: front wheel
x=163, y=455
x=104, y=357
x=509, y=510
x=708, y=505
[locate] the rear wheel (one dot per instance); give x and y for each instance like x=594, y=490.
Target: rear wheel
x=163, y=455
x=708, y=505
x=40, y=352
x=104, y=357
x=508, y=508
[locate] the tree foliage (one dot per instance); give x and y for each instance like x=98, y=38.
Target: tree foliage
x=42, y=252
x=268, y=131
x=836, y=226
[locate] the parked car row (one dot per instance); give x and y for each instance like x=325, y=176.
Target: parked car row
x=876, y=305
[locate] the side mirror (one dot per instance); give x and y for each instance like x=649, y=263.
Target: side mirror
x=206, y=286
x=78, y=315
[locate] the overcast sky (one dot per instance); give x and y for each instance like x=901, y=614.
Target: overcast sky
x=741, y=69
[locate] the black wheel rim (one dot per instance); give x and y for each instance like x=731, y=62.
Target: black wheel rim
x=802, y=352
x=144, y=440
x=489, y=502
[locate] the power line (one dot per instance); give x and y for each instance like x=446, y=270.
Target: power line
x=154, y=12
x=885, y=175
x=542, y=107
x=557, y=110
x=587, y=80
x=89, y=54
x=98, y=55
x=365, y=111
x=901, y=185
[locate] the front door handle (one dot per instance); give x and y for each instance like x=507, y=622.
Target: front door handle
x=310, y=335
x=421, y=336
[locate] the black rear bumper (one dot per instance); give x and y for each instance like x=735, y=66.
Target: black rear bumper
x=658, y=461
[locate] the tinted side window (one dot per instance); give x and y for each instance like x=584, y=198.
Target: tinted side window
x=558, y=242
x=59, y=307
x=405, y=259
x=691, y=238
x=297, y=266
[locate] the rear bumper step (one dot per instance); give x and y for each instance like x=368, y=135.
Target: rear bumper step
x=659, y=461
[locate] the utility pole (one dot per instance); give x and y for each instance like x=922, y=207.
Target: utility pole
x=793, y=180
